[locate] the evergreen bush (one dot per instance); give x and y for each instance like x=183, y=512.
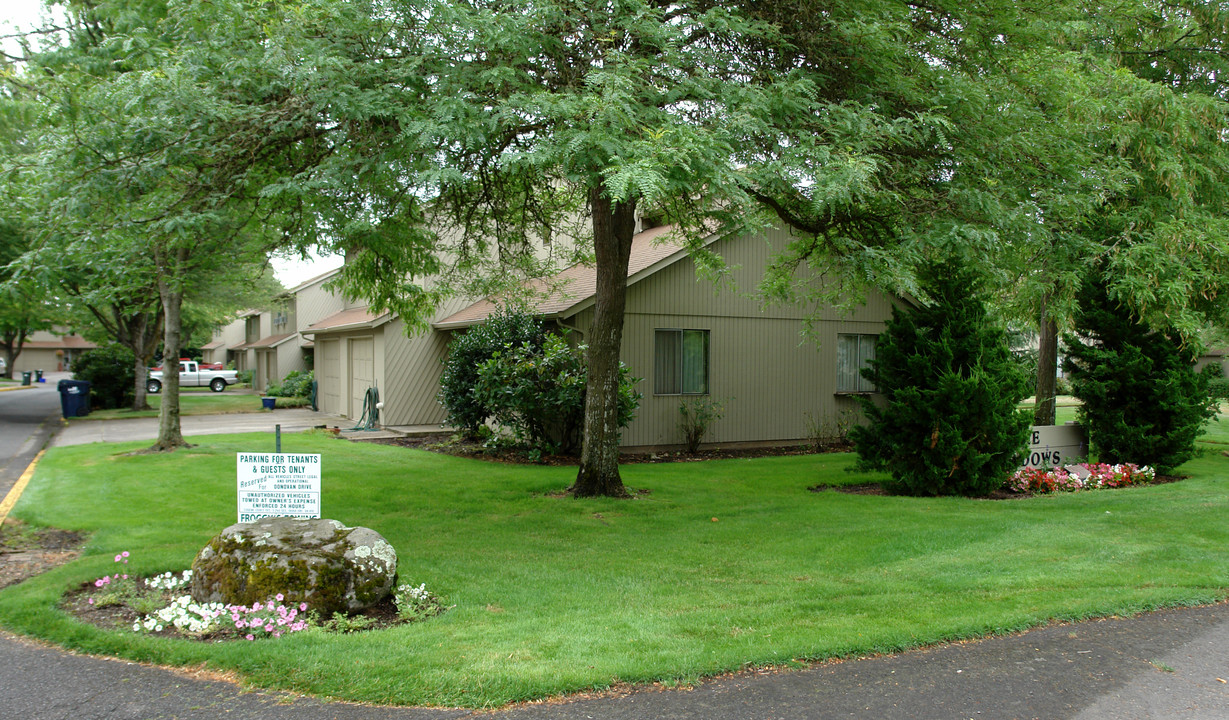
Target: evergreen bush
x=111, y=372
x=1142, y=400
x=948, y=424
x=468, y=351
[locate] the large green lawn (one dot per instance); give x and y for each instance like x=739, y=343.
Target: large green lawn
x=720, y=566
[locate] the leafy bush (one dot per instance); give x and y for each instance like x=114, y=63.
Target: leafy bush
x=949, y=424
x=1142, y=399
x=539, y=393
x=469, y=351
x=244, y=376
x=697, y=416
x=111, y=372
x=295, y=385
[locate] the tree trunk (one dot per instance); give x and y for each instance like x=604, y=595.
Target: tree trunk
x=12, y=349
x=1047, y=369
x=613, y=228
x=145, y=332
x=170, y=436
x=140, y=397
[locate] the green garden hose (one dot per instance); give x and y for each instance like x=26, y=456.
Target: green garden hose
x=370, y=419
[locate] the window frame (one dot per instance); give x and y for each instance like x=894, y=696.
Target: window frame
x=863, y=386
x=678, y=370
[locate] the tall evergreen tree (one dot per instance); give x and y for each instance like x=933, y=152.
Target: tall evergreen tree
x=1143, y=402
x=949, y=425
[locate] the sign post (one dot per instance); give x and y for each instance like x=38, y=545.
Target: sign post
x=278, y=485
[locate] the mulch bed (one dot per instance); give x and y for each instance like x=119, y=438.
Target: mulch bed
x=475, y=450
x=1000, y=494
x=26, y=552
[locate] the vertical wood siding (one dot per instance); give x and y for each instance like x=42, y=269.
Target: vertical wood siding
x=770, y=378
x=415, y=364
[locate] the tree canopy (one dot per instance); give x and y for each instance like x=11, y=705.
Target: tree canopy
x=456, y=147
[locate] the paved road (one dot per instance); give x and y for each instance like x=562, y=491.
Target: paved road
x=1159, y=666
x=28, y=418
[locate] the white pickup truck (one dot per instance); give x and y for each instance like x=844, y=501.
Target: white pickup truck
x=191, y=375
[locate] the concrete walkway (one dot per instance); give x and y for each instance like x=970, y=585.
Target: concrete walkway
x=81, y=432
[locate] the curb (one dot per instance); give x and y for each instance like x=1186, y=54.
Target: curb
x=17, y=387
x=15, y=494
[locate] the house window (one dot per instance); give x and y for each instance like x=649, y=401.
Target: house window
x=680, y=362
x=854, y=352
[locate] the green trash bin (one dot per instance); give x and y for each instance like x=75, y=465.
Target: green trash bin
x=38, y=376
x=25, y=377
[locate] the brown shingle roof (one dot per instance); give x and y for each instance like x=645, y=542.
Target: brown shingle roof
x=346, y=319
x=269, y=341
x=574, y=286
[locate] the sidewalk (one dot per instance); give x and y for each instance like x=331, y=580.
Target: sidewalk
x=81, y=432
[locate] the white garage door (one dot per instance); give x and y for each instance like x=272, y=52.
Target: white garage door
x=362, y=373
x=329, y=388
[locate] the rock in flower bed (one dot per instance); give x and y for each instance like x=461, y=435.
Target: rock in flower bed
x=1084, y=476
x=160, y=605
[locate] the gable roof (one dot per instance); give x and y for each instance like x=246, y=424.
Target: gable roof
x=573, y=289
x=308, y=283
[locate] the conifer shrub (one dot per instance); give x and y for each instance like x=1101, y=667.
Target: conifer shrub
x=1143, y=401
x=947, y=422
x=470, y=350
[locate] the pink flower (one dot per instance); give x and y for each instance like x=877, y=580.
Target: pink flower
x=303, y=606
x=279, y=597
x=125, y=553
x=118, y=558
x=90, y=601
x=251, y=637
x=240, y=623
x=256, y=607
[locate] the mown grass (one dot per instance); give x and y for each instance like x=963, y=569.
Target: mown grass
x=192, y=401
x=722, y=565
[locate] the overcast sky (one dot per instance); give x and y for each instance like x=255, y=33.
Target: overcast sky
x=25, y=14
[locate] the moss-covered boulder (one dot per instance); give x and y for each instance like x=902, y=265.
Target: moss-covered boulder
x=331, y=567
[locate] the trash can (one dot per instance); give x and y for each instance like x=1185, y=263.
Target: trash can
x=74, y=398
x=25, y=377
x=269, y=403
x=38, y=376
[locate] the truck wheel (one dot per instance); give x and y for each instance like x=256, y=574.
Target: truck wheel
x=153, y=387
x=217, y=385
